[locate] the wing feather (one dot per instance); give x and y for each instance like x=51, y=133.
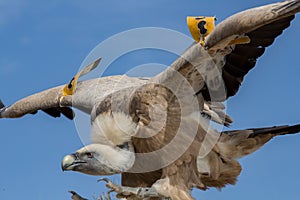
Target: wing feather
x=261, y=25
x=250, y=20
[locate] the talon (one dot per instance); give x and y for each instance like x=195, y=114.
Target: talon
x=108, y=194
x=103, y=179
x=125, y=192
x=110, y=191
x=111, y=185
x=76, y=196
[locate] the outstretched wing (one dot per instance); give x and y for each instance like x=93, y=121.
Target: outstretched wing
x=216, y=71
x=48, y=100
x=261, y=25
x=87, y=94
x=167, y=102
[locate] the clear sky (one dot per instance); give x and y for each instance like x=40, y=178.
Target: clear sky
x=43, y=43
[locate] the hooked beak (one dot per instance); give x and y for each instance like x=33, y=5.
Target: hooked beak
x=70, y=161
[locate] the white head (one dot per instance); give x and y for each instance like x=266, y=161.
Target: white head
x=99, y=159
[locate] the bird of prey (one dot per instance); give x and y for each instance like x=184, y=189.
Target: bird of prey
x=157, y=132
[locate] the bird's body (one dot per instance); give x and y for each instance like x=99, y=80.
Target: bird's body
x=156, y=132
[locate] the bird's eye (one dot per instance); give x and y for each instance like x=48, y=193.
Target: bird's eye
x=89, y=155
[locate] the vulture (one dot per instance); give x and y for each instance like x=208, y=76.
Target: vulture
x=161, y=134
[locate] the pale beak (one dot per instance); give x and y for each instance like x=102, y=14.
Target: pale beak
x=70, y=161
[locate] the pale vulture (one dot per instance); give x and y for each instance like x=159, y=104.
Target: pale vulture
x=156, y=132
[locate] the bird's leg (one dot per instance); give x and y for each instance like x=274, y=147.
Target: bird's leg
x=131, y=192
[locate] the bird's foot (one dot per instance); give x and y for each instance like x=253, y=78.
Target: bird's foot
x=130, y=192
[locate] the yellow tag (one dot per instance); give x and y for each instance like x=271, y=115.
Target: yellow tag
x=200, y=27
x=70, y=88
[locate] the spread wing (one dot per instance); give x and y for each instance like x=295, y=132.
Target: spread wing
x=262, y=25
x=216, y=71
x=231, y=50
x=87, y=94
x=48, y=100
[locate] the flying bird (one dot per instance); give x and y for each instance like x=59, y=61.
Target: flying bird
x=158, y=132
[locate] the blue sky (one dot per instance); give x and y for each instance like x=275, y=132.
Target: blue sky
x=42, y=44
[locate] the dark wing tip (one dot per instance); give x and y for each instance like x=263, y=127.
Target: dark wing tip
x=243, y=58
x=67, y=112
x=277, y=130
x=56, y=112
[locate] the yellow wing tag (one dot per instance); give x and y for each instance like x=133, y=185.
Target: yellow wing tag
x=70, y=88
x=200, y=27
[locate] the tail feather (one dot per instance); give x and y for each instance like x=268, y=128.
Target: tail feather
x=276, y=130
x=238, y=143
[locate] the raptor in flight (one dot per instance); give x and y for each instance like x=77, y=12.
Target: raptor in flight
x=156, y=132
